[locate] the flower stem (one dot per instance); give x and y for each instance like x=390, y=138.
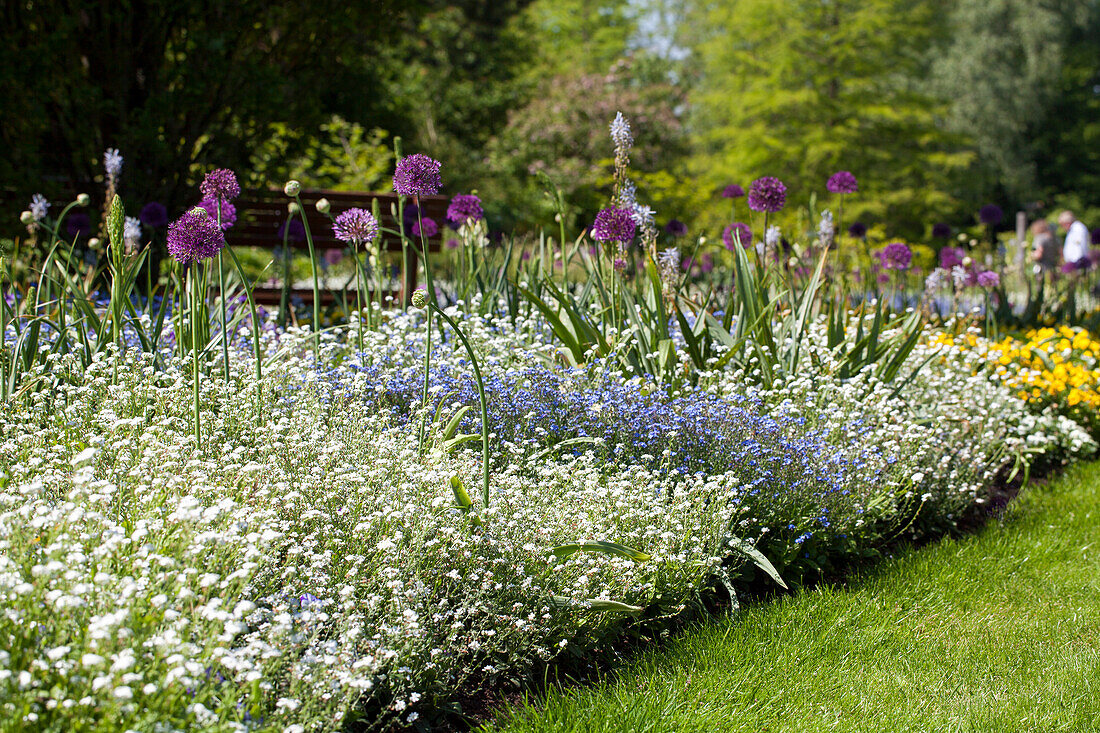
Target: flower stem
x=195, y=351
x=481, y=396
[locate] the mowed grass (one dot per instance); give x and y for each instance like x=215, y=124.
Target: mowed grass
x=998, y=631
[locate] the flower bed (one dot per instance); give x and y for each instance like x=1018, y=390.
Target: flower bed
x=309, y=566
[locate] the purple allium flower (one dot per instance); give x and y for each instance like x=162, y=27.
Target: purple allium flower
x=294, y=233
x=707, y=262
x=952, y=257
x=991, y=214
x=194, y=236
x=896, y=256
x=941, y=230
x=733, y=191
x=220, y=183
x=229, y=211
x=734, y=231
x=767, y=194
x=1068, y=268
x=858, y=230
x=613, y=225
x=465, y=207
x=417, y=175
x=883, y=278
x=676, y=228
x=154, y=215
x=78, y=224
x=453, y=243
x=842, y=182
x=619, y=264
x=988, y=279
x=355, y=227
x=429, y=229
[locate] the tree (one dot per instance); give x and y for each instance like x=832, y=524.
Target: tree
x=801, y=88
x=1003, y=74
x=179, y=87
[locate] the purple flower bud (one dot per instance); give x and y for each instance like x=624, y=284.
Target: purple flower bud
x=613, y=225
x=417, y=175
x=735, y=232
x=194, y=236
x=896, y=256
x=988, y=279
x=427, y=226
x=355, y=227
x=767, y=194
x=465, y=207
x=229, y=211
x=842, y=182
x=676, y=228
x=220, y=183
x=951, y=257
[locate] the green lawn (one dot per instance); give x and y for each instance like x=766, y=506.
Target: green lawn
x=995, y=632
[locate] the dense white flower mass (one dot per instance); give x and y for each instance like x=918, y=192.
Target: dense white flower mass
x=311, y=560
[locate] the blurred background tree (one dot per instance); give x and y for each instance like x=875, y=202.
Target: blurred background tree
x=937, y=106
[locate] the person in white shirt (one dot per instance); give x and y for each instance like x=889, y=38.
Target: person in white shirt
x=1076, y=245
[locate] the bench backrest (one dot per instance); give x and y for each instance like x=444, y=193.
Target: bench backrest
x=261, y=212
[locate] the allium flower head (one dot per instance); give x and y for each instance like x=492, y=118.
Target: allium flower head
x=39, y=206
x=941, y=230
x=767, y=194
x=228, y=211
x=676, y=228
x=896, y=256
x=991, y=214
x=735, y=232
x=465, y=207
x=858, y=230
x=733, y=191
x=220, y=183
x=112, y=163
x=613, y=225
x=950, y=257
x=842, y=182
x=988, y=279
x=620, y=133
x=425, y=226
x=417, y=175
x=194, y=236
x=154, y=215
x=356, y=227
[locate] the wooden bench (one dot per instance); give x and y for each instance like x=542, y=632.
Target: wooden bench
x=261, y=213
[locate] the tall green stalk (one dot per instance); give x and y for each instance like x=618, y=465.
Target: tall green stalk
x=195, y=348
x=293, y=190
x=432, y=301
x=484, y=402
x=221, y=290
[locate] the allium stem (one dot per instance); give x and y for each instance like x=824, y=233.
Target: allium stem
x=316, y=285
x=358, y=299
x=221, y=289
x=481, y=396
x=195, y=349
x=430, y=286
x=255, y=327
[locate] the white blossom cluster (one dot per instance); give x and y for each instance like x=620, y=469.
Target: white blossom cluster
x=310, y=561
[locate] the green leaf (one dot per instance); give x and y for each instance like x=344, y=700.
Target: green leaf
x=594, y=604
x=757, y=557
x=610, y=548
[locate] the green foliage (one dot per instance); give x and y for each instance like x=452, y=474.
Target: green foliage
x=800, y=89
x=341, y=155
x=1000, y=71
